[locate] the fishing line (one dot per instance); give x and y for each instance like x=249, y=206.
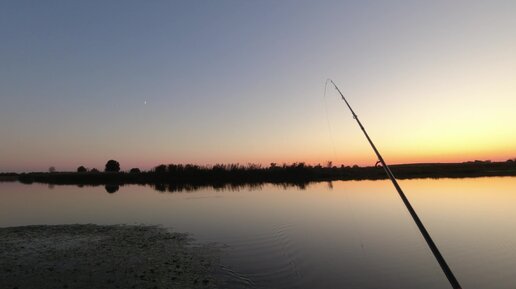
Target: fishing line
x=355, y=223
x=330, y=132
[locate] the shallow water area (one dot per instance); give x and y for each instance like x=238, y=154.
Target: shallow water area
x=344, y=234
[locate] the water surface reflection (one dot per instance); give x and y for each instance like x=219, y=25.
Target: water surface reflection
x=352, y=234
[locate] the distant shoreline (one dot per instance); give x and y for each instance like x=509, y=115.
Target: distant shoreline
x=295, y=174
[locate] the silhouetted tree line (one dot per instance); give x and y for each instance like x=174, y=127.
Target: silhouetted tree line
x=177, y=177
x=235, y=172
x=8, y=177
x=8, y=174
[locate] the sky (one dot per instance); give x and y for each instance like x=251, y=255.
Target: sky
x=206, y=82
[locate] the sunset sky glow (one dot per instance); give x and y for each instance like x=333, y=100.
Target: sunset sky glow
x=205, y=82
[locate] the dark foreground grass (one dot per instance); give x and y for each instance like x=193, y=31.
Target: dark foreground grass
x=92, y=256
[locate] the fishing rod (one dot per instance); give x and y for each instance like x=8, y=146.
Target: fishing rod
x=444, y=266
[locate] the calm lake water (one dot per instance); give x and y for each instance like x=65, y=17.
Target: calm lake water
x=347, y=234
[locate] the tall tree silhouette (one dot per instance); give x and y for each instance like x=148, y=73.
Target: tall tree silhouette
x=112, y=166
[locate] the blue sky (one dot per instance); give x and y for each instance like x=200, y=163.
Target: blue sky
x=242, y=81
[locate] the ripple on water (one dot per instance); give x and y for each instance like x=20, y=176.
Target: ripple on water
x=268, y=260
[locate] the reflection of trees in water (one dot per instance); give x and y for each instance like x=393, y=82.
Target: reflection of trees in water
x=235, y=187
x=192, y=187
x=112, y=188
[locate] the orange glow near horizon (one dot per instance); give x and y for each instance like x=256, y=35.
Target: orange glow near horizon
x=417, y=151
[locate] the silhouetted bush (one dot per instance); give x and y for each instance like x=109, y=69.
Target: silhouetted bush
x=112, y=166
x=94, y=170
x=135, y=171
x=81, y=169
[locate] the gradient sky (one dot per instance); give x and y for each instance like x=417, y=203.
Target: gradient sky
x=150, y=82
